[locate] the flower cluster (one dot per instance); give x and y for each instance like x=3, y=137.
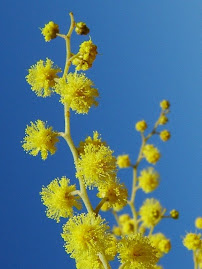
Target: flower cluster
x=88, y=239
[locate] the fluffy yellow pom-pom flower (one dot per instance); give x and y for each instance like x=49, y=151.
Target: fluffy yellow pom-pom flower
x=123, y=161
x=115, y=193
x=86, y=57
x=164, y=104
x=136, y=251
x=50, y=31
x=192, y=241
x=148, y=180
x=198, y=223
x=141, y=126
x=76, y=90
x=86, y=234
x=151, y=212
x=96, y=165
x=165, y=135
x=40, y=138
x=151, y=153
x=161, y=243
x=58, y=199
x=96, y=141
x=42, y=76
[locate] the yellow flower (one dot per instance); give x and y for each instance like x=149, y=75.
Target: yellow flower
x=81, y=28
x=96, y=165
x=76, y=90
x=42, y=76
x=123, y=161
x=50, y=31
x=116, y=230
x=192, y=241
x=96, y=141
x=164, y=104
x=86, y=57
x=165, y=135
x=157, y=266
x=174, y=214
x=141, y=126
x=40, y=138
x=135, y=251
x=148, y=180
x=162, y=120
x=86, y=234
x=115, y=193
x=58, y=199
x=151, y=154
x=151, y=212
x=198, y=223
x=161, y=243
x=124, y=218
x=128, y=227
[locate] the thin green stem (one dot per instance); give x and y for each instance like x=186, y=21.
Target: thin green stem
x=195, y=260
x=104, y=261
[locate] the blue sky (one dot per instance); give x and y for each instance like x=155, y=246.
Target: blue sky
x=149, y=51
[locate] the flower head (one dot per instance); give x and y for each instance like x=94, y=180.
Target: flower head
x=192, y=241
x=164, y=104
x=174, y=214
x=163, y=119
x=96, y=165
x=96, y=141
x=50, y=31
x=81, y=28
x=198, y=223
x=165, y=135
x=151, y=154
x=58, y=199
x=42, y=76
x=151, y=212
x=123, y=161
x=116, y=194
x=85, y=234
x=161, y=243
x=137, y=252
x=141, y=126
x=40, y=138
x=76, y=90
x=148, y=180
x=86, y=57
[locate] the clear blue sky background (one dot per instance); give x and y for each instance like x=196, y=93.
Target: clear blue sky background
x=150, y=50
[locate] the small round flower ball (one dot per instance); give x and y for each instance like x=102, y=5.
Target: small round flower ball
x=40, y=138
x=141, y=126
x=198, y=223
x=116, y=230
x=128, y=227
x=50, y=31
x=81, y=28
x=192, y=241
x=174, y=214
x=148, y=180
x=162, y=120
x=124, y=218
x=151, y=212
x=161, y=243
x=165, y=135
x=151, y=153
x=165, y=104
x=136, y=251
x=123, y=161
